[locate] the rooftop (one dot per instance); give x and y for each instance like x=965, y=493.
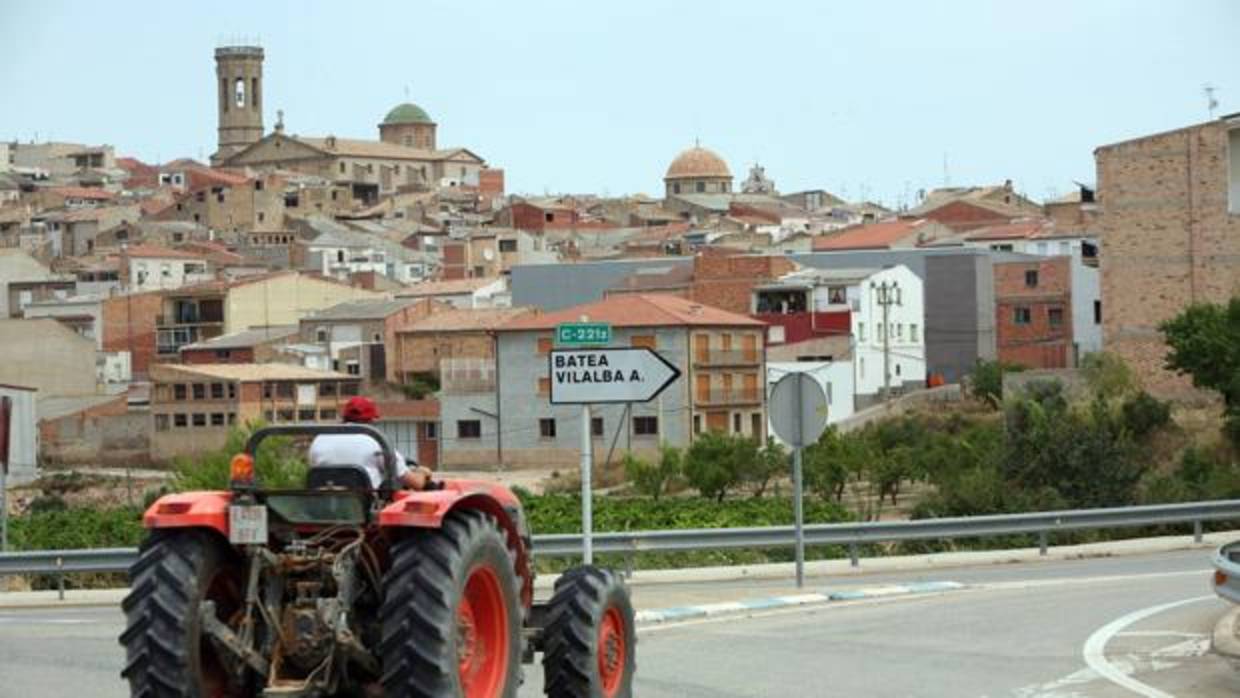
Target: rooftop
x=468, y=320
x=376, y=309
x=250, y=373
x=407, y=113
x=246, y=338
x=150, y=251
x=637, y=310
x=451, y=287
x=874, y=236
x=697, y=162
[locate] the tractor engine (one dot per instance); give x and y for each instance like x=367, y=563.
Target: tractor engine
x=305, y=636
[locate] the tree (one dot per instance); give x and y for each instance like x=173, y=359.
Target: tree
x=986, y=380
x=279, y=464
x=1204, y=343
x=715, y=462
x=768, y=462
x=653, y=479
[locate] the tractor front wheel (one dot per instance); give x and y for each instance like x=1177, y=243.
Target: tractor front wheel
x=452, y=613
x=589, y=643
x=166, y=652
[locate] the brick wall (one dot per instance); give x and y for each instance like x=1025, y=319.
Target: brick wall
x=726, y=281
x=1037, y=343
x=1168, y=240
x=129, y=325
x=243, y=355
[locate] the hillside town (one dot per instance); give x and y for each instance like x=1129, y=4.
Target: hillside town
x=147, y=308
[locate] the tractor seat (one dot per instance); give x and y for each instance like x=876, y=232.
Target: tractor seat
x=348, y=477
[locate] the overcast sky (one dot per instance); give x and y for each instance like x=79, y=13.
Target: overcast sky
x=874, y=98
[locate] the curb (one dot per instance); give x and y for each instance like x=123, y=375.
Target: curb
x=680, y=613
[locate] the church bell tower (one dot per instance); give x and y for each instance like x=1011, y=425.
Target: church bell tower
x=239, y=80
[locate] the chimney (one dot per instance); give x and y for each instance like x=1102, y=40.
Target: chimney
x=331, y=143
x=1007, y=184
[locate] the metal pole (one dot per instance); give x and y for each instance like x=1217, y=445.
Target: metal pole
x=587, y=465
x=1196, y=531
x=799, y=513
x=4, y=511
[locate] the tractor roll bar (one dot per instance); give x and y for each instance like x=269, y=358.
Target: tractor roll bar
x=389, y=453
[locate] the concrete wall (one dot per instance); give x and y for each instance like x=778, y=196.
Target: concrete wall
x=23, y=435
x=284, y=300
x=107, y=434
x=17, y=265
x=46, y=355
x=556, y=286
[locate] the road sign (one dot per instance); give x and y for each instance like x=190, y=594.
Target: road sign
x=594, y=376
x=583, y=333
x=798, y=409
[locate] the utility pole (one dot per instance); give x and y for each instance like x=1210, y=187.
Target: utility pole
x=888, y=294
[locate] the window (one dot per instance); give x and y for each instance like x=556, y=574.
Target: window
x=261, y=216
x=306, y=415
x=353, y=368
x=327, y=389
x=912, y=332
x=1021, y=315
x=342, y=170
x=223, y=353
x=900, y=331
x=676, y=188
x=200, y=420
x=643, y=340
x=860, y=331
x=328, y=414
x=161, y=422
x=349, y=389
x=701, y=187
x=432, y=431
x=507, y=245
x=548, y=217
x=180, y=420
x=1233, y=171
x=217, y=391
x=217, y=419
x=697, y=424
x=258, y=185
x=861, y=366
x=546, y=428
x=596, y=426
x=239, y=92
x=320, y=334
x=468, y=429
x=285, y=414
x=200, y=391
x=648, y=426
x=736, y=423
x=1031, y=278
x=232, y=418
x=269, y=416
x=1097, y=312
x=284, y=389
x=1055, y=316
x=178, y=391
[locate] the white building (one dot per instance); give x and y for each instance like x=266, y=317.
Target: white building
x=153, y=268
x=889, y=332
x=23, y=433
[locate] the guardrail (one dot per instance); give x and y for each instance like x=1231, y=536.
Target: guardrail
x=61, y=562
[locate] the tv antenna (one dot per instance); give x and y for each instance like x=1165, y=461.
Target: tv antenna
x=1211, y=102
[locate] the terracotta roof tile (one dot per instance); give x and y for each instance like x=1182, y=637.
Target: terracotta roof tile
x=468, y=320
x=868, y=237
x=148, y=250
x=637, y=310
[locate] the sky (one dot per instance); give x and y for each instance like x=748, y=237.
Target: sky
x=875, y=99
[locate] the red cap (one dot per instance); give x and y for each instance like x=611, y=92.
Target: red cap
x=360, y=409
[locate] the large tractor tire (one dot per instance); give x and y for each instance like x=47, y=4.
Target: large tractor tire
x=166, y=653
x=589, y=643
x=452, y=613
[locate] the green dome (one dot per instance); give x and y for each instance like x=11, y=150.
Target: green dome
x=407, y=113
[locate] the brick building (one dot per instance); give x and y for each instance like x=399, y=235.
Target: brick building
x=1033, y=310
x=424, y=345
x=193, y=407
x=1170, y=223
x=726, y=281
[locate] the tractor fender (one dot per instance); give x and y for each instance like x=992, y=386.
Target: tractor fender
x=190, y=510
x=427, y=509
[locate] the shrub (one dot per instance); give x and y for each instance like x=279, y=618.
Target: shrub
x=986, y=380
x=716, y=463
x=1144, y=414
x=768, y=462
x=1107, y=375
x=279, y=464
x=654, y=479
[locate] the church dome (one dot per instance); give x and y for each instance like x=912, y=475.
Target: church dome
x=697, y=162
x=407, y=113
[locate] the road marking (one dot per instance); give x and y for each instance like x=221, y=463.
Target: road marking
x=27, y=620
x=1094, y=650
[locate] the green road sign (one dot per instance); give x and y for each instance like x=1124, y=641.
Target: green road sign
x=582, y=333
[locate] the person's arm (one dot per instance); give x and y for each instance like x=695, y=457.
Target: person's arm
x=415, y=478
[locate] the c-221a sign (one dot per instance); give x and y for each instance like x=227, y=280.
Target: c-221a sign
x=594, y=376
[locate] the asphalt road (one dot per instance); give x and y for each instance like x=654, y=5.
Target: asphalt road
x=1109, y=627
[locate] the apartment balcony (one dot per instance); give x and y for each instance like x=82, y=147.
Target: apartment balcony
x=717, y=398
x=727, y=357
x=170, y=337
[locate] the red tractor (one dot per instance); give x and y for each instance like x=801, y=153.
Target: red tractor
x=344, y=589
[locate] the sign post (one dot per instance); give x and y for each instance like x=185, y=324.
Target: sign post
x=598, y=376
x=798, y=408
x=6, y=439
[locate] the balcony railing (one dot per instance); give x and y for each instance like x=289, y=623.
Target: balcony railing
x=170, y=338
x=739, y=396
x=727, y=357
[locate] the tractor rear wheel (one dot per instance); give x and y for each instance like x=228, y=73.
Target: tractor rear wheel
x=166, y=653
x=589, y=643
x=452, y=613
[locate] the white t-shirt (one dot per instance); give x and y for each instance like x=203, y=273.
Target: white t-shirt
x=353, y=449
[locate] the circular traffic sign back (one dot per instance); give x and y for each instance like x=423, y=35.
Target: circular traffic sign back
x=798, y=408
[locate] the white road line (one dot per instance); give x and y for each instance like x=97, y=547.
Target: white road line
x=1094, y=650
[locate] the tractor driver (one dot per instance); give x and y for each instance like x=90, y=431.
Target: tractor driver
x=360, y=449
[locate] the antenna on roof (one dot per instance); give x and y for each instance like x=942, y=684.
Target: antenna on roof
x=1211, y=102
x=947, y=177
